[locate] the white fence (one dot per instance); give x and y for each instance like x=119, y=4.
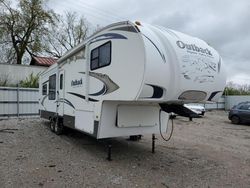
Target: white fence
x=220, y=105
x=227, y=102
x=18, y=102
x=11, y=72
x=230, y=101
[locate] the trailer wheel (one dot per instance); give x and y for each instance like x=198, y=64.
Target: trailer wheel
x=235, y=119
x=59, y=126
x=52, y=125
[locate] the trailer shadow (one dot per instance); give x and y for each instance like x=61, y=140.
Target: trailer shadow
x=170, y=164
x=136, y=156
x=122, y=147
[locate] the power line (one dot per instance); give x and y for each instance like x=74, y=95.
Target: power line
x=102, y=11
x=89, y=13
x=99, y=14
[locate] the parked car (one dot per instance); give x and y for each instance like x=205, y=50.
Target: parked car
x=240, y=113
x=196, y=108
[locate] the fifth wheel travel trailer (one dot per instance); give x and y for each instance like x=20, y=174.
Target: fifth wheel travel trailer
x=126, y=78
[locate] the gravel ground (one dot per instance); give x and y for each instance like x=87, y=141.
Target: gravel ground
x=207, y=152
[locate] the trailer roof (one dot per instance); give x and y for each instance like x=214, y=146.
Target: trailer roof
x=82, y=45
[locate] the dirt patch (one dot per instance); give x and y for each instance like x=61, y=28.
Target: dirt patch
x=207, y=152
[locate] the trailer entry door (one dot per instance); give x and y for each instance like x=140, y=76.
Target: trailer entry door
x=61, y=93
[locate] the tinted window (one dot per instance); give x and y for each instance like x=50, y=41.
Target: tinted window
x=44, y=89
x=61, y=81
x=94, y=64
x=245, y=107
x=95, y=53
x=101, y=56
x=52, y=87
x=104, y=55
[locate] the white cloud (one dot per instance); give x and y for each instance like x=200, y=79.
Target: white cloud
x=223, y=24
x=240, y=78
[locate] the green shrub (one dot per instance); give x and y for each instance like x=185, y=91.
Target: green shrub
x=32, y=81
x=4, y=80
x=237, y=89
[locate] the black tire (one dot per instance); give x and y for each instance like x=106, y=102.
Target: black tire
x=52, y=125
x=58, y=126
x=135, y=137
x=203, y=113
x=235, y=119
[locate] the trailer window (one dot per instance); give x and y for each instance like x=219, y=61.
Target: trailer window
x=44, y=89
x=61, y=81
x=52, y=87
x=101, y=56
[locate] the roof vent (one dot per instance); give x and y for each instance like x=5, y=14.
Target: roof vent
x=138, y=23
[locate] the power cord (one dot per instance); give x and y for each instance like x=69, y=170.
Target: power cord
x=172, y=130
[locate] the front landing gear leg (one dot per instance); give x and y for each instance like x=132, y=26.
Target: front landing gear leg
x=153, y=143
x=109, y=147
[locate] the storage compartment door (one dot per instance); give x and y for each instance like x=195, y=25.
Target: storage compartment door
x=137, y=116
x=84, y=121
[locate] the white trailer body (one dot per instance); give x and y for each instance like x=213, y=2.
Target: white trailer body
x=111, y=85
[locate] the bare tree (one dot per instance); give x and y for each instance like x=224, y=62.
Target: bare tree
x=70, y=30
x=7, y=53
x=23, y=25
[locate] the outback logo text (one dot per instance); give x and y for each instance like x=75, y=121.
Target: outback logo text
x=76, y=82
x=193, y=47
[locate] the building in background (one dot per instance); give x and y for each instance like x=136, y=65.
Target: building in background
x=14, y=73
x=42, y=61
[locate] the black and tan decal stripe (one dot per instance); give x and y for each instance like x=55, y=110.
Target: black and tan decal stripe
x=82, y=96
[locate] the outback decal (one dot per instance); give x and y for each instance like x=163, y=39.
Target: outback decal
x=213, y=94
x=194, y=48
x=201, y=69
x=82, y=96
x=157, y=92
x=107, y=36
x=66, y=102
x=109, y=85
x=76, y=82
x=161, y=54
x=101, y=92
x=42, y=102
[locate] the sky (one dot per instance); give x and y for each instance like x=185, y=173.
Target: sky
x=224, y=24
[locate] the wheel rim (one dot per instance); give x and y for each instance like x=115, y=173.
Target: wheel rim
x=235, y=119
x=51, y=124
x=56, y=127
